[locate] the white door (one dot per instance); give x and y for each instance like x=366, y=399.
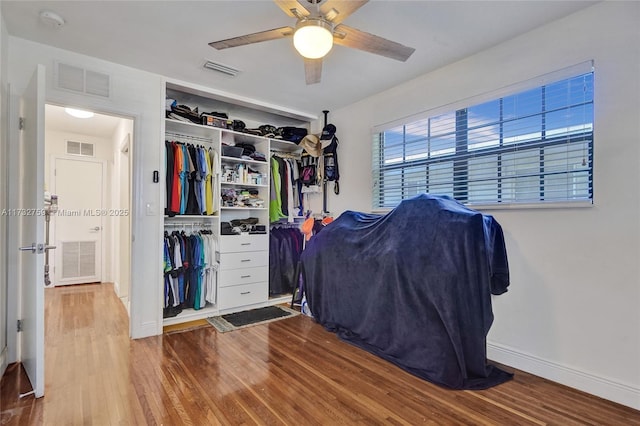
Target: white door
x=78, y=183
x=31, y=225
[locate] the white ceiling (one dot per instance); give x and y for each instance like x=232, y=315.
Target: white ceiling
x=170, y=38
x=99, y=125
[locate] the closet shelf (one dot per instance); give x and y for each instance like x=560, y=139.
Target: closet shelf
x=190, y=216
x=198, y=130
x=285, y=146
x=249, y=185
x=244, y=208
x=241, y=160
x=173, y=125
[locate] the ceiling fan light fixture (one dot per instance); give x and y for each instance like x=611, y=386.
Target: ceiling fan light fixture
x=313, y=38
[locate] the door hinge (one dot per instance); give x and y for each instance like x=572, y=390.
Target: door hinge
x=21, y=123
x=19, y=326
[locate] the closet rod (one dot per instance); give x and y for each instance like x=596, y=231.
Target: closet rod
x=188, y=224
x=293, y=225
x=179, y=136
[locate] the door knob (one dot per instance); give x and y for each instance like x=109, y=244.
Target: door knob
x=97, y=228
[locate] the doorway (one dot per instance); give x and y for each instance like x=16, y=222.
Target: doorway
x=78, y=230
x=89, y=175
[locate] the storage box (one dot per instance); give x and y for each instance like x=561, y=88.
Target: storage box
x=211, y=120
x=232, y=151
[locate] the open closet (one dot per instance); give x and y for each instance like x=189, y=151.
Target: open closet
x=219, y=238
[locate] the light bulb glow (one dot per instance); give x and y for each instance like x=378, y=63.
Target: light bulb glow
x=78, y=113
x=313, y=39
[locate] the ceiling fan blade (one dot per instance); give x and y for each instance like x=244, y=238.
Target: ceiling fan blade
x=312, y=70
x=273, y=34
x=351, y=37
x=288, y=5
x=337, y=11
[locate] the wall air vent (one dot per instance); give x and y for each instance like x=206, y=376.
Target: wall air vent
x=80, y=80
x=225, y=69
x=80, y=148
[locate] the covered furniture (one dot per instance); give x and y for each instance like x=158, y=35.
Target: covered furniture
x=413, y=286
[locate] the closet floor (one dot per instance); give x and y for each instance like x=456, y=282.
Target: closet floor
x=290, y=372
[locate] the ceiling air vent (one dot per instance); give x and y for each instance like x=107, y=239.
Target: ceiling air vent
x=80, y=80
x=225, y=69
x=80, y=148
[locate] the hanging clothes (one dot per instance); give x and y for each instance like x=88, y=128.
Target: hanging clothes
x=203, y=165
x=285, y=201
x=168, y=166
x=190, y=271
x=178, y=165
x=192, y=175
x=211, y=267
x=285, y=247
x=215, y=178
x=275, y=202
x=193, y=201
x=184, y=179
x=209, y=184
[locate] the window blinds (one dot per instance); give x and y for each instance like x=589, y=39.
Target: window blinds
x=528, y=146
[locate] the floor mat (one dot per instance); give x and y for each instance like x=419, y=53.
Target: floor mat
x=238, y=320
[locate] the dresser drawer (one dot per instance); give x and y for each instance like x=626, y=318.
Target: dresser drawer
x=249, y=259
x=241, y=295
x=239, y=243
x=231, y=277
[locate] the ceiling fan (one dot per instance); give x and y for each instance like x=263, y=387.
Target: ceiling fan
x=317, y=28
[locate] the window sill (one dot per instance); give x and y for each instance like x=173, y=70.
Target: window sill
x=518, y=206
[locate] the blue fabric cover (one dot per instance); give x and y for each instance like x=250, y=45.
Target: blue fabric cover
x=413, y=287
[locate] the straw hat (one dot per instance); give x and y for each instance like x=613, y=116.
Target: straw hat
x=314, y=145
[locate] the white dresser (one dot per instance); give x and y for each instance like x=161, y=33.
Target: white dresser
x=244, y=271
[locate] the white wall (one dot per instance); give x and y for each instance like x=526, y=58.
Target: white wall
x=122, y=200
x=572, y=313
x=3, y=195
x=55, y=146
x=138, y=95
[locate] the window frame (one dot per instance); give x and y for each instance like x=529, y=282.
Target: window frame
x=460, y=157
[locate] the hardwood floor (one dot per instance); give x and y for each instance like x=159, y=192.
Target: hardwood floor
x=289, y=372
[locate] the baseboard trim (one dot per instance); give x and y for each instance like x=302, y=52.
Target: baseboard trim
x=125, y=302
x=611, y=390
x=146, y=329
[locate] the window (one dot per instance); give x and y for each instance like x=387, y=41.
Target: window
x=528, y=146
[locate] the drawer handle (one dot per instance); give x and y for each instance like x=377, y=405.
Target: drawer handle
x=245, y=244
x=245, y=260
x=245, y=276
x=245, y=292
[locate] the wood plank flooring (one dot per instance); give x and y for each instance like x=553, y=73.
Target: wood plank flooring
x=289, y=372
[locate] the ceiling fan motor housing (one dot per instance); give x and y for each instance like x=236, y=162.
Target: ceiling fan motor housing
x=316, y=22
